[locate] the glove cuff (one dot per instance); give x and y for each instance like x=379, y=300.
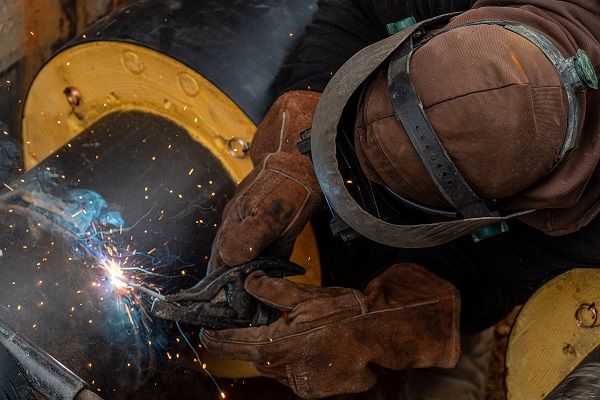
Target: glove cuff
x=420, y=311
x=280, y=129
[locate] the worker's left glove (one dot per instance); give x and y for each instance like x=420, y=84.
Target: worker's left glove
x=273, y=203
x=407, y=317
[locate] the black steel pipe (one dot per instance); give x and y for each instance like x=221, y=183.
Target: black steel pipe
x=583, y=383
x=238, y=45
x=170, y=192
x=46, y=375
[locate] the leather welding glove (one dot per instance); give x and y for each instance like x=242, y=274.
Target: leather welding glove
x=274, y=202
x=406, y=317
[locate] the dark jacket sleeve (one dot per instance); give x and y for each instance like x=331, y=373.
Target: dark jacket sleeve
x=340, y=28
x=501, y=272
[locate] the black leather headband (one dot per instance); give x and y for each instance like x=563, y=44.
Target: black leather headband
x=409, y=111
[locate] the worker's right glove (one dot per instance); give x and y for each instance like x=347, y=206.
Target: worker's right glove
x=406, y=317
x=274, y=202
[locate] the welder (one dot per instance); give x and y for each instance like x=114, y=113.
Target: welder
x=466, y=139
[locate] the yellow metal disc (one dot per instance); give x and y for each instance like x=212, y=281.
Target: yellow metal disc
x=113, y=76
x=553, y=332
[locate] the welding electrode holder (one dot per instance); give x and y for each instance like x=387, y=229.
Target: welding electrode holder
x=219, y=301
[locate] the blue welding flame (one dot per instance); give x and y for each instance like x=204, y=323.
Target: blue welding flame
x=85, y=208
x=81, y=216
x=93, y=230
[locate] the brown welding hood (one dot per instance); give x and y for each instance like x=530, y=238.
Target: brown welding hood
x=150, y=109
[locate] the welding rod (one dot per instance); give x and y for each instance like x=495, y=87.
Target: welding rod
x=144, y=289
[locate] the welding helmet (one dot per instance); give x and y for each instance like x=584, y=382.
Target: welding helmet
x=428, y=157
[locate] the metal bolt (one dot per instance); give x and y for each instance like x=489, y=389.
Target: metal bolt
x=73, y=95
x=238, y=148
x=590, y=320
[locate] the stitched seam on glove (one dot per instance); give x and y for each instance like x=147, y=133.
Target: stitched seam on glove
x=287, y=119
x=290, y=177
x=295, y=384
x=322, y=316
x=325, y=315
x=359, y=307
x=271, y=303
x=239, y=208
x=301, y=208
x=291, y=309
x=339, y=322
x=363, y=309
x=282, y=130
x=262, y=172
